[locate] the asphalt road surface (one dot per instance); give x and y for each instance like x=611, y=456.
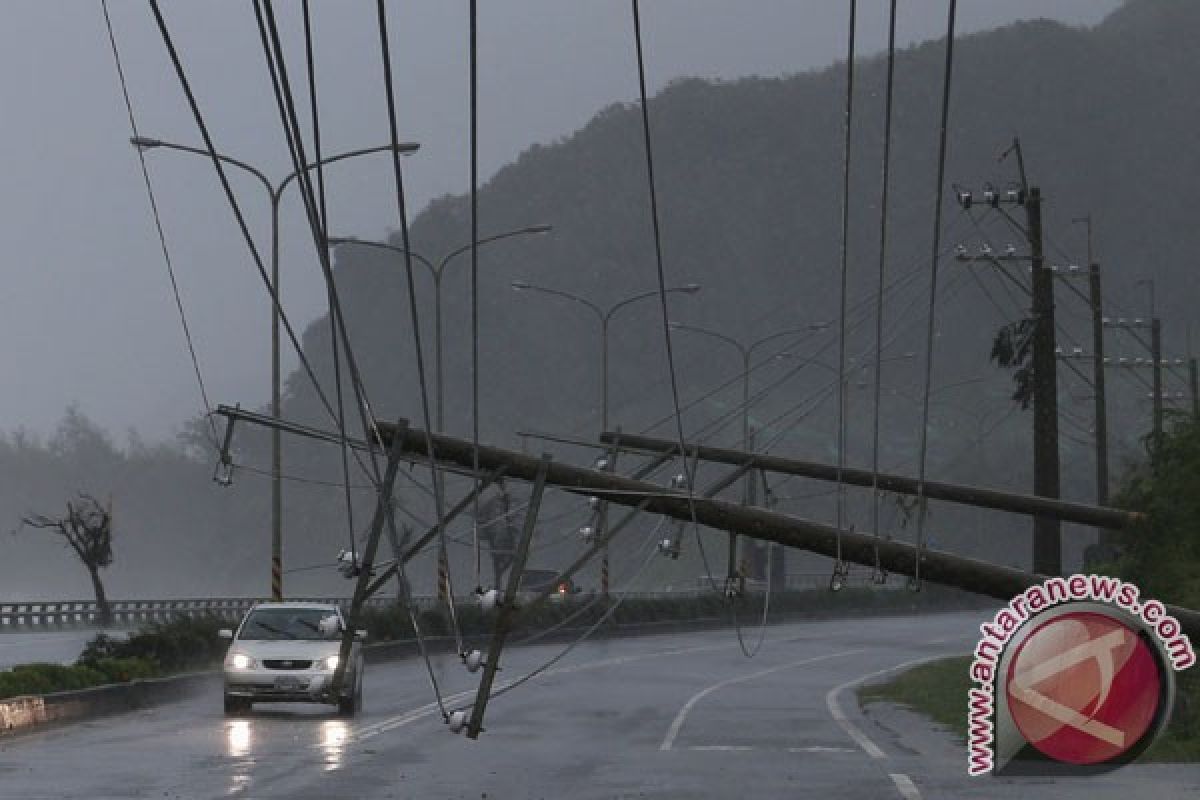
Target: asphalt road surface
x=670, y=716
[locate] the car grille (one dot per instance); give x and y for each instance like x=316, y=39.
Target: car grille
x=286, y=664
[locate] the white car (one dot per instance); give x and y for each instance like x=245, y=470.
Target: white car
x=287, y=652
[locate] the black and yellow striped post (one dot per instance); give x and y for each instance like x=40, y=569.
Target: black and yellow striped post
x=443, y=575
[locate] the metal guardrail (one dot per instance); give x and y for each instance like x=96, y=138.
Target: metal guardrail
x=59, y=615
x=68, y=614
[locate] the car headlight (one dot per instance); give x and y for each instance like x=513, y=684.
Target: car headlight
x=241, y=661
x=329, y=662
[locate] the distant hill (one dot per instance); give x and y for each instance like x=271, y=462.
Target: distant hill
x=749, y=176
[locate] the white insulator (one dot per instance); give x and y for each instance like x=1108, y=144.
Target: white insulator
x=458, y=721
x=679, y=481
x=594, y=502
x=601, y=463
x=473, y=661
x=1010, y=250
x=490, y=600
x=587, y=533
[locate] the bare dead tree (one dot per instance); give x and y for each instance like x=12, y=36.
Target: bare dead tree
x=87, y=528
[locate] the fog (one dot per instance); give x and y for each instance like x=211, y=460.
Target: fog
x=88, y=314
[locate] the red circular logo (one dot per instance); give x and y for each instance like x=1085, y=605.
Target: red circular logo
x=1084, y=688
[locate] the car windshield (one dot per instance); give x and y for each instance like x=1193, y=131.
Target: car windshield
x=290, y=623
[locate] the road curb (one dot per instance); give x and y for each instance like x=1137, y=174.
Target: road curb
x=29, y=712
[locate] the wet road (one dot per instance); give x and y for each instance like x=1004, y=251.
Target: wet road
x=672, y=716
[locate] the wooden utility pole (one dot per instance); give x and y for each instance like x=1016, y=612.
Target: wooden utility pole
x=1101, y=412
x=1156, y=357
x=1194, y=383
x=1047, y=531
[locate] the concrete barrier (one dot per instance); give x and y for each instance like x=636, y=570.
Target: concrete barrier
x=18, y=714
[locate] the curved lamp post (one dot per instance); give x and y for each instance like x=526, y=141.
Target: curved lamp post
x=436, y=270
x=604, y=315
x=274, y=192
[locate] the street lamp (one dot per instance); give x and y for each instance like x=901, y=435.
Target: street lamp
x=605, y=317
x=747, y=353
x=274, y=192
x=436, y=271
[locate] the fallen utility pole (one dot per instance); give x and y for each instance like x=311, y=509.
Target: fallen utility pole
x=955, y=493
x=864, y=548
x=507, y=609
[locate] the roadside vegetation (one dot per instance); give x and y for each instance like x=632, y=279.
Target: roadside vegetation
x=183, y=645
x=939, y=691
x=1161, y=555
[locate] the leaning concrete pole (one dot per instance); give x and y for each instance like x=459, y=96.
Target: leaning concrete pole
x=969, y=574
x=977, y=496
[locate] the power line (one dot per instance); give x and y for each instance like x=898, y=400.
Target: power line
x=239, y=217
x=438, y=488
x=162, y=239
x=937, y=231
x=333, y=307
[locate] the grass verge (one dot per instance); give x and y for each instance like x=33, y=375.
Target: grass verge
x=939, y=691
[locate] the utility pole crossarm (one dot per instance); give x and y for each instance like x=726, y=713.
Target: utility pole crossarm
x=1098, y=516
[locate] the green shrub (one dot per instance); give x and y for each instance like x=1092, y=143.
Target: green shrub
x=180, y=645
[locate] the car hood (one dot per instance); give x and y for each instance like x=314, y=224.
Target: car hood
x=286, y=649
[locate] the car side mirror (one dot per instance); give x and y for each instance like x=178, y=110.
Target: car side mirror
x=360, y=635
x=225, y=633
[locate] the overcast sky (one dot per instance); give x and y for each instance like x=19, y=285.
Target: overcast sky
x=87, y=313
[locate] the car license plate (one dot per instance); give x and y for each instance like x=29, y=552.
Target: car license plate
x=287, y=682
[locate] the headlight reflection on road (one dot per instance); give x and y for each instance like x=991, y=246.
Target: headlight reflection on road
x=333, y=742
x=239, y=738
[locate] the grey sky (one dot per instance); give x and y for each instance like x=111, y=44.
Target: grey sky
x=87, y=312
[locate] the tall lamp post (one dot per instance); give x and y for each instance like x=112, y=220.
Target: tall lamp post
x=605, y=318
x=436, y=271
x=275, y=193
x=747, y=353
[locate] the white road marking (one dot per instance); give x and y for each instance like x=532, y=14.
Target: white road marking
x=429, y=709
x=903, y=783
x=908, y=789
x=673, y=731
x=745, y=748
x=709, y=748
